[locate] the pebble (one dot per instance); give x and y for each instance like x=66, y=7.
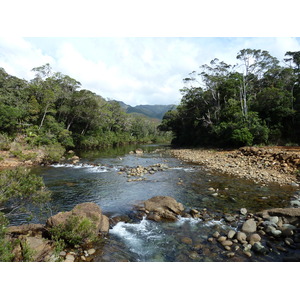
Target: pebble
x=288, y=241
x=247, y=253
x=230, y=254
x=187, y=240
x=241, y=236
x=231, y=234
x=216, y=234
x=63, y=253
x=226, y=243
x=254, y=238
x=243, y=211
x=91, y=251
x=222, y=239
x=70, y=258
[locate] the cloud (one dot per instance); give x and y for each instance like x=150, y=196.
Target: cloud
x=133, y=70
x=18, y=57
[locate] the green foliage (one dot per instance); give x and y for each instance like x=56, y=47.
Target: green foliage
x=260, y=105
x=23, y=190
x=27, y=252
x=76, y=231
x=6, y=246
x=53, y=153
x=4, y=142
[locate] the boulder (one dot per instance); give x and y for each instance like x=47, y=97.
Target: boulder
x=163, y=207
x=85, y=210
x=249, y=226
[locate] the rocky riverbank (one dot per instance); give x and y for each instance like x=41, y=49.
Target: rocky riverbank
x=262, y=165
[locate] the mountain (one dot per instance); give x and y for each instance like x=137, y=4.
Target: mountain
x=151, y=111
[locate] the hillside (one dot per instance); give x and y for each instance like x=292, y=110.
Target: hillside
x=151, y=111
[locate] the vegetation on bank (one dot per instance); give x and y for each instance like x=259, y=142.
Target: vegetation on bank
x=51, y=109
x=255, y=102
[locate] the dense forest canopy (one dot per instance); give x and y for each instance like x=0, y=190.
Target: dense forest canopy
x=256, y=101
x=53, y=109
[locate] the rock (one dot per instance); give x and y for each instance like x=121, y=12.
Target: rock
x=138, y=151
x=62, y=253
x=229, y=218
x=286, y=212
x=276, y=233
x=216, y=234
x=254, y=238
x=40, y=247
x=274, y=219
x=241, y=236
x=230, y=254
x=249, y=226
x=243, y=211
x=70, y=258
x=165, y=207
x=227, y=243
x=222, y=239
x=91, y=251
x=231, y=234
x=187, y=240
x=84, y=210
x=259, y=248
x=247, y=253
x=289, y=241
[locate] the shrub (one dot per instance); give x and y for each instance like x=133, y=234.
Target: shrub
x=77, y=230
x=6, y=246
x=53, y=153
x=242, y=137
x=4, y=142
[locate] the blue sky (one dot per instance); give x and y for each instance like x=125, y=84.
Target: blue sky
x=142, y=70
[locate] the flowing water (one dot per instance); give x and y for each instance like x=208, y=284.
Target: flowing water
x=97, y=179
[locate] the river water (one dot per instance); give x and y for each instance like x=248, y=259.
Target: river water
x=97, y=179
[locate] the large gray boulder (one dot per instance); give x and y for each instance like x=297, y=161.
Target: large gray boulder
x=85, y=210
x=163, y=207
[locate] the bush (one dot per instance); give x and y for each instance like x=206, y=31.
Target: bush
x=77, y=230
x=4, y=142
x=6, y=246
x=53, y=153
x=242, y=137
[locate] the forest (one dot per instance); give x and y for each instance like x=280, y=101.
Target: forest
x=53, y=110
x=254, y=102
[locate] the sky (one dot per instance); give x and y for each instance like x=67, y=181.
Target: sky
x=143, y=70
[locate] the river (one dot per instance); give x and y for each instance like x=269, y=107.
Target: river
x=97, y=179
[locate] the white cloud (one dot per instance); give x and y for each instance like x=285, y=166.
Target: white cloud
x=134, y=70
x=18, y=57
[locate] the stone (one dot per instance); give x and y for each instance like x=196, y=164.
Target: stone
x=259, y=248
x=231, y=233
x=165, y=207
x=276, y=233
x=274, y=219
x=243, y=211
x=241, y=236
x=289, y=241
x=91, y=251
x=40, y=247
x=216, y=234
x=222, y=239
x=230, y=254
x=70, y=258
x=229, y=218
x=62, y=253
x=247, y=253
x=88, y=210
x=187, y=240
x=227, y=243
x=253, y=238
x=249, y=226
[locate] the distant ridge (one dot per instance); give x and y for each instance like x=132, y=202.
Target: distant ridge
x=151, y=111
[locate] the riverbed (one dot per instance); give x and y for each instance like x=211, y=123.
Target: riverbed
x=98, y=178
